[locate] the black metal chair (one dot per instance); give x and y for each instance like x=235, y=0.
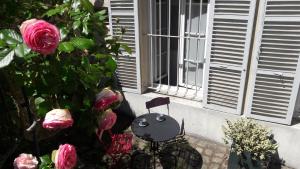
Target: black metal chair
x=158, y=101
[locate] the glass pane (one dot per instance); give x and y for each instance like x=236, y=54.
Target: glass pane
x=160, y=48
x=195, y=74
x=194, y=47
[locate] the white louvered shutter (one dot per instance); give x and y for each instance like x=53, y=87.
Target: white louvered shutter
x=125, y=13
x=228, y=46
x=276, y=69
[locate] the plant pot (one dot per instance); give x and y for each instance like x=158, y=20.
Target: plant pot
x=245, y=161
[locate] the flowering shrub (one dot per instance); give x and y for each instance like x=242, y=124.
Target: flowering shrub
x=62, y=64
x=246, y=135
x=59, y=56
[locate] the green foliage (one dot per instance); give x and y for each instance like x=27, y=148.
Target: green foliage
x=6, y=57
x=46, y=162
x=70, y=77
x=82, y=43
x=246, y=135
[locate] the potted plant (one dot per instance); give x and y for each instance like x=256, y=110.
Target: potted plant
x=252, y=144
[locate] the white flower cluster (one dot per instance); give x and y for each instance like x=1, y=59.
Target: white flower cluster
x=246, y=135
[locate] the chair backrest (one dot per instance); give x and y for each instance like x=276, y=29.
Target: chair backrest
x=159, y=101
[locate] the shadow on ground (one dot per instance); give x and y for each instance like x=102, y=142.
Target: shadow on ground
x=175, y=155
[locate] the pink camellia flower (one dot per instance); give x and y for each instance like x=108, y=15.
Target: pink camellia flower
x=40, y=36
x=58, y=119
x=65, y=157
x=105, y=99
x=26, y=161
x=107, y=121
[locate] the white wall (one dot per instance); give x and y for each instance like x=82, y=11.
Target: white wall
x=208, y=123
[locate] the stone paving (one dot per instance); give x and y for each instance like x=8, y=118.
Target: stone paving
x=208, y=154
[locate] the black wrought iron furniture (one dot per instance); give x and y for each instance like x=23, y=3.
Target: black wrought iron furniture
x=155, y=128
x=158, y=101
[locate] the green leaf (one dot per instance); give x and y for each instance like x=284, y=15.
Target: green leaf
x=21, y=50
x=85, y=62
x=76, y=24
x=75, y=4
x=1, y=35
x=2, y=43
x=63, y=33
x=111, y=64
x=85, y=24
x=87, y=5
x=102, y=56
x=43, y=108
x=85, y=28
x=66, y=47
x=46, y=163
x=38, y=100
x=11, y=37
x=6, y=56
x=45, y=167
x=102, y=12
x=58, y=10
x=45, y=159
x=101, y=15
x=126, y=48
x=82, y=43
x=102, y=18
x=87, y=102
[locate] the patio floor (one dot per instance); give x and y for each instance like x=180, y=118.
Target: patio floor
x=198, y=151
x=192, y=153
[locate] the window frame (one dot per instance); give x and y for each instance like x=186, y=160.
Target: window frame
x=154, y=74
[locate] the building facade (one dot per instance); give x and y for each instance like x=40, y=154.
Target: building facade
x=217, y=59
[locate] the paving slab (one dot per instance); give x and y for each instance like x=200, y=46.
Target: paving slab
x=201, y=153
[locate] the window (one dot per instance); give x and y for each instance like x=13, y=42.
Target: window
x=177, y=35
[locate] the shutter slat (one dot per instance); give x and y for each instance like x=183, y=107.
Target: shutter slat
x=233, y=57
x=122, y=15
x=225, y=50
x=226, y=46
x=270, y=100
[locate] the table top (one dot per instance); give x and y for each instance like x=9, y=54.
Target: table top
x=157, y=131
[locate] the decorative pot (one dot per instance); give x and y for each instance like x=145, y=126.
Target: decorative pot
x=245, y=161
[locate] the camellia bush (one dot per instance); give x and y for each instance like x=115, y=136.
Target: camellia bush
x=56, y=66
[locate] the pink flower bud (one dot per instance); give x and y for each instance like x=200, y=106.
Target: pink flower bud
x=107, y=121
x=105, y=99
x=58, y=119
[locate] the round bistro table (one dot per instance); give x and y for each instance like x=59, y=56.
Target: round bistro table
x=155, y=131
